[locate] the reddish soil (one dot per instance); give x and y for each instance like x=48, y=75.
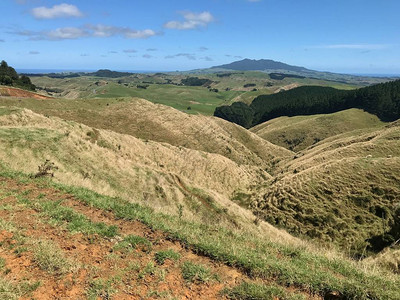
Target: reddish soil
x=15, y=92
x=94, y=256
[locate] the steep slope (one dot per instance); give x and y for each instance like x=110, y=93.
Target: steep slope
x=148, y=121
x=69, y=242
x=172, y=179
x=344, y=190
x=300, y=132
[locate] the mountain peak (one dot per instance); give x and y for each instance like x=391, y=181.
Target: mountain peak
x=260, y=65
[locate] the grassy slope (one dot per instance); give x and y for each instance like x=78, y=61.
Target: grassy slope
x=342, y=190
x=300, y=132
x=274, y=264
x=158, y=174
x=160, y=123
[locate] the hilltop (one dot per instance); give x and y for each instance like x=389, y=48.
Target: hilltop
x=299, y=132
x=259, y=65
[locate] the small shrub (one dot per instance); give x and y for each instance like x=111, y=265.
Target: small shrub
x=46, y=169
x=161, y=256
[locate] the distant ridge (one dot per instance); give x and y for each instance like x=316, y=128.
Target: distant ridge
x=260, y=65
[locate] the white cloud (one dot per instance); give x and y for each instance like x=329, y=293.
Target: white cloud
x=191, y=21
x=354, y=46
x=107, y=31
x=63, y=10
x=187, y=55
x=130, y=51
x=99, y=31
x=66, y=33
x=139, y=34
x=34, y=52
x=147, y=56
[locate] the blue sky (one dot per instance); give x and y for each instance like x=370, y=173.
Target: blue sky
x=352, y=36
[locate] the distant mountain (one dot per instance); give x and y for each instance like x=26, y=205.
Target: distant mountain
x=109, y=73
x=260, y=65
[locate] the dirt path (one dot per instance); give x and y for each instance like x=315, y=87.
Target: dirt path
x=116, y=274
x=15, y=92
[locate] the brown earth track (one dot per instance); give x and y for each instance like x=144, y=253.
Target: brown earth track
x=15, y=92
x=97, y=253
x=94, y=256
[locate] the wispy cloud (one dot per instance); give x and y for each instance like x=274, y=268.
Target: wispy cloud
x=202, y=49
x=84, y=54
x=107, y=31
x=34, y=52
x=147, y=56
x=191, y=21
x=66, y=33
x=89, y=30
x=2, y=41
x=151, y=49
x=354, y=46
x=63, y=10
x=187, y=55
x=129, y=51
x=112, y=52
x=207, y=58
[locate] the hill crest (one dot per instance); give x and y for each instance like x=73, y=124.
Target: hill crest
x=260, y=65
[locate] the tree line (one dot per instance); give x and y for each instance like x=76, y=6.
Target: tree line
x=382, y=100
x=8, y=76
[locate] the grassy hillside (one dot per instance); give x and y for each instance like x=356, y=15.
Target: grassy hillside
x=342, y=190
x=172, y=179
x=160, y=123
x=300, y=132
x=115, y=249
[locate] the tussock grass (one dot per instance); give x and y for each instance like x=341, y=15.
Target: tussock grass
x=196, y=273
x=49, y=257
x=10, y=290
x=131, y=242
x=162, y=256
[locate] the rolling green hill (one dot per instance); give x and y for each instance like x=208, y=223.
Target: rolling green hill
x=300, y=132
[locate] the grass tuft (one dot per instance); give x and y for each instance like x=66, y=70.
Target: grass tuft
x=162, y=256
x=196, y=273
x=253, y=291
x=132, y=242
x=49, y=257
